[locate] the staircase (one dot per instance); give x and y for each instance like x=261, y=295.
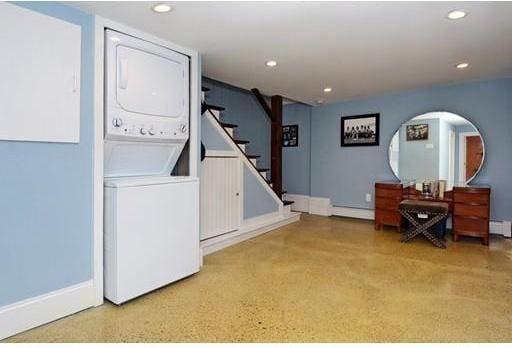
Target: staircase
x=230, y=128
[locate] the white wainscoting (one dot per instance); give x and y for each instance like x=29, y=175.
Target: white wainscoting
x=220, y=196
x=36, y=311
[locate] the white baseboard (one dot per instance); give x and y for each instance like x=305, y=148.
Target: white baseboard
x=36, y=311
x=501, y=227
x=320, y=206
x=300, y=202
x=357, y=213
x=254, y=228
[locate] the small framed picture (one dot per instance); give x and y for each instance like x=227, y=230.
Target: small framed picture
x=360, y=130
x=291, y=135
x=417, y=132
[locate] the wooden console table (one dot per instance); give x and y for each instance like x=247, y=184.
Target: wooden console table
x=468, y=206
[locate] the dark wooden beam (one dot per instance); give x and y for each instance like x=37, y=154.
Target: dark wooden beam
x=262, y=102
x=276, y=149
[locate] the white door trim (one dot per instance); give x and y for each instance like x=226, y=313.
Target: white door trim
x=462, y=154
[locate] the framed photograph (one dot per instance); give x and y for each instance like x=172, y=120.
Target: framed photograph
x=360, y=130
x=291, y=135
x=417, y=132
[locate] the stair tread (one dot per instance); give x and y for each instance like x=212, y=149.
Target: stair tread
x=206, y=106
x=287, y=202
x=253, y=156
x=238, y=141
x=263, y=169
x=205, y=89
x=228, y=125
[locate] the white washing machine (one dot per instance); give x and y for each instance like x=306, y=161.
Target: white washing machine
x=151, y=218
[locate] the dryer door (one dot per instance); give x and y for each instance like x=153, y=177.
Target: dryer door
x=151, y=84
x=147, y=79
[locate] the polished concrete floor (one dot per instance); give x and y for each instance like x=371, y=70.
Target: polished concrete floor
x=321, y=280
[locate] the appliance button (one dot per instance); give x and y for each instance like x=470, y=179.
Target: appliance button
x=143, y=131
x=151, y=131
x=117, y=122
x=183, y=128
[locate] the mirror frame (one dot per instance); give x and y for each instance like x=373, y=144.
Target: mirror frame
x=429, y=112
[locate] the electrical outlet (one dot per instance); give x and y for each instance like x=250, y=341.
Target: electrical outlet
x=368, y=197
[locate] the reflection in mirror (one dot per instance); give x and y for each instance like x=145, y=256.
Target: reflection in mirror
x=437, y=146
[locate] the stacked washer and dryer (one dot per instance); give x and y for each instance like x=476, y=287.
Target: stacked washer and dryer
x=151, y=218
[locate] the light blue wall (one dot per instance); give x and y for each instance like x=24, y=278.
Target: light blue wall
x=257, y=201
x=211, y=139
x=297, y=159
x=416, y=161
x=46, y=195
x=347, y=174
x=243, y=109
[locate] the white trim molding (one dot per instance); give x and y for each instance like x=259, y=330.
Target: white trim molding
x=249, y=229
x=320, y=206
x=36, y=311
x=356, y=213
x=300, y=202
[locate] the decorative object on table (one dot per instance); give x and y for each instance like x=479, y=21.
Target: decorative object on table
x=291, y=135
x=423, y=216
x=442, y=188
x=417, y=132
x=427, y=188
x=360, y=130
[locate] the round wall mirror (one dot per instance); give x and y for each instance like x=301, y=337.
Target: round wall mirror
x=437, y=146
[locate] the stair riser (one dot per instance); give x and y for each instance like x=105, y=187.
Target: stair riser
x=203, y=96
x=254, y=161
x=230, y=131
x=242, y=147
x=288, y=208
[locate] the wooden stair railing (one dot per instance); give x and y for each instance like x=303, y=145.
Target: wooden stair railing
x=275, y=114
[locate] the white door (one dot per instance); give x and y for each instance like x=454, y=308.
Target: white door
x=220, y=196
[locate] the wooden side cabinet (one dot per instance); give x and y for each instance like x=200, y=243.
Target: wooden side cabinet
x=387, y=199
x=471, y=212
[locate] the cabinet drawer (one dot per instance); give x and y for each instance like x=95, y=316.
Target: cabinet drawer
x=464, y=197
x=387, y=202
x=388, y=217
x=388, y=193
x=470, y=226
x=471, y=210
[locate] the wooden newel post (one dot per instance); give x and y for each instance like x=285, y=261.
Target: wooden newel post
x=276, y=150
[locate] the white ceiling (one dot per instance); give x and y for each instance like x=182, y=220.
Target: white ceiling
x=357, y=48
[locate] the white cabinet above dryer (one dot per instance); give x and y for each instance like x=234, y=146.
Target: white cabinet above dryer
x=39, y=77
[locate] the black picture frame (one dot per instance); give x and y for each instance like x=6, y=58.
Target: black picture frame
x=354, y=137
x=290, y=135
x=417, y=132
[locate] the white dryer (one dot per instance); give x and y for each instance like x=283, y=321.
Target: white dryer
x=147, y=106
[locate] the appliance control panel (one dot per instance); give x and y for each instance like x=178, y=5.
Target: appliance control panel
x=145, y=128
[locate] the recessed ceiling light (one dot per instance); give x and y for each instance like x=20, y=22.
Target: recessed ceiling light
x=162, y=8
x=271, y=63
x=462, y=65
x=327, y=89
x=457, y=14
x=319, y=101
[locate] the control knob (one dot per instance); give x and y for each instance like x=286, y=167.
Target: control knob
x=143, y=131
x=117, y=122
x=183, y=128
x=151, y=131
